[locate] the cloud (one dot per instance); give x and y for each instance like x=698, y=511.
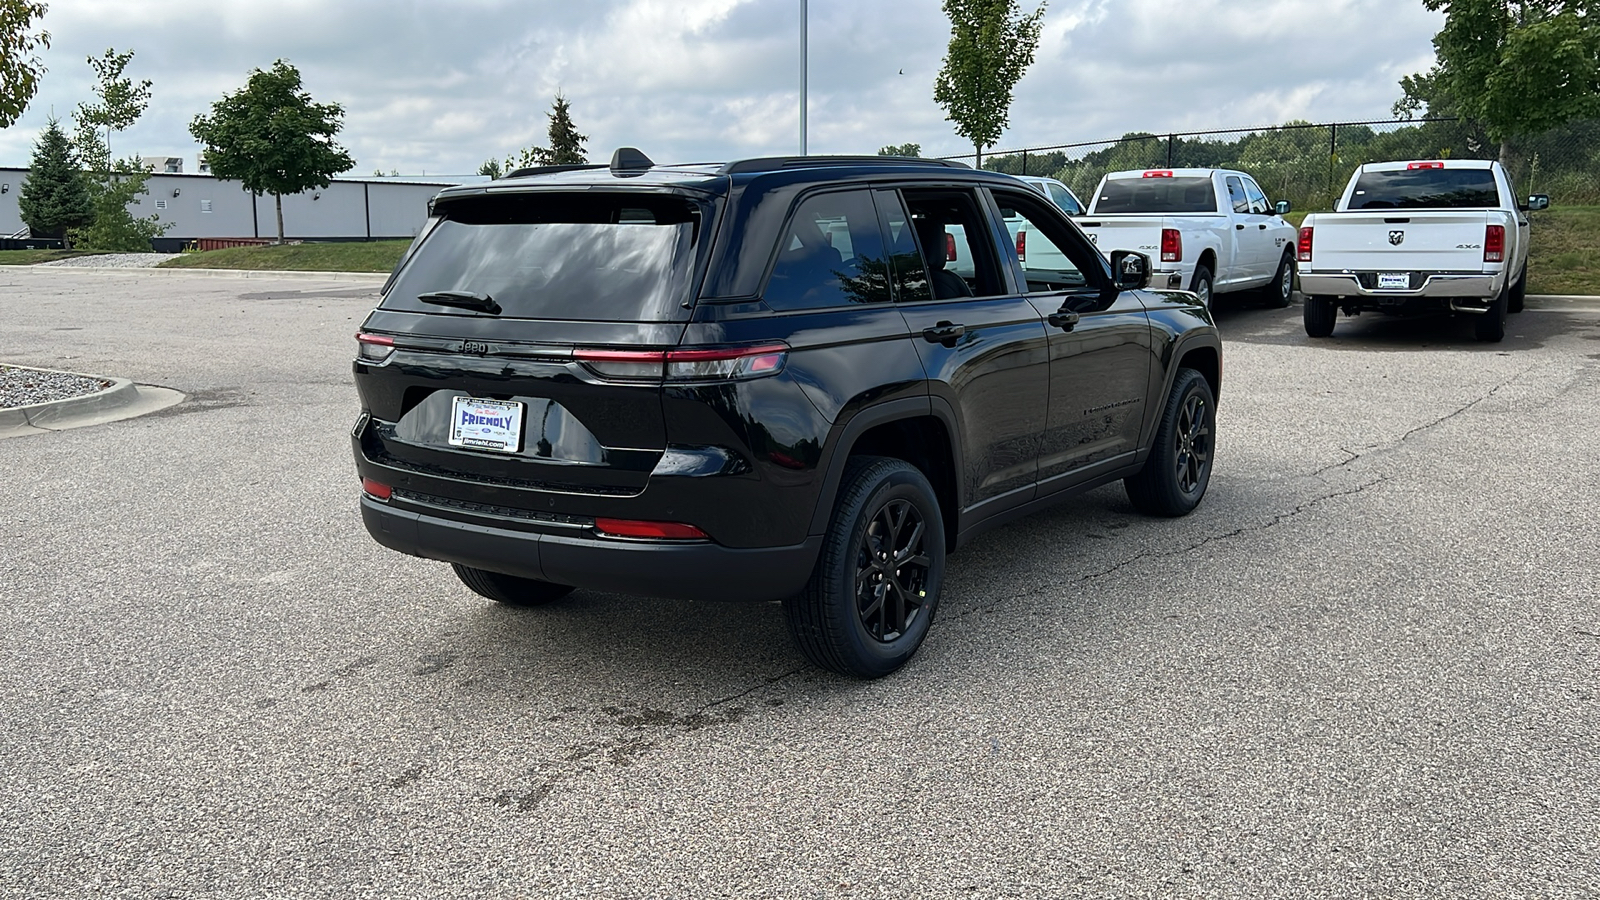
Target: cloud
x=431, y=87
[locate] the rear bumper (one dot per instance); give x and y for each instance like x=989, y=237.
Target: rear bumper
x=690, y=570
x=1441, y=285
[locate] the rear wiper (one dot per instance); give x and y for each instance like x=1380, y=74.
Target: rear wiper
x=462, y=299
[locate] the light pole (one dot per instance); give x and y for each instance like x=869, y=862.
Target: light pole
x=803, y=4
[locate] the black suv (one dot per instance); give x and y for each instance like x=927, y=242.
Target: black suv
x=798, y=379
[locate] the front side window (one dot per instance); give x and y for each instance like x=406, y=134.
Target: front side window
x=1258, y=200
x=1053, y=258
x=831, y=255
x=558, y=255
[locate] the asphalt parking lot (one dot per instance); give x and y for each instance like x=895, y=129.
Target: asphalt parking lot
x=1366, y=666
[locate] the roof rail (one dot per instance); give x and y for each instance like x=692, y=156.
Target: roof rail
x=768, y=163
x=548, y=170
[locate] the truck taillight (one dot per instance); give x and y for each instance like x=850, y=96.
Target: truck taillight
x=1425, y=165
x=1171, y=245
x=949, y=247
x=1022, y=245
x=1158, y=173
x=707, y=364
x=1304, y=254
x=1494, y=243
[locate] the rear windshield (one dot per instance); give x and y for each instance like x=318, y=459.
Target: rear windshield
x=1426, y=189
x=1156, y=195
x=577, y=256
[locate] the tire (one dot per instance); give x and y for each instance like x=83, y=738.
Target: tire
x=1279, y=292
x=1175, y=477
x=1519, y=292
x=1202, y=285
x=509, y=589
x=857, y=615
x=1320, y=314
x=1491, y=325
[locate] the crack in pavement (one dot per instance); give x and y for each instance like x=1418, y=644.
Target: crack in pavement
x=1241, y=531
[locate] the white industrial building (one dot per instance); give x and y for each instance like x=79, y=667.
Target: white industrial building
x=203, y=206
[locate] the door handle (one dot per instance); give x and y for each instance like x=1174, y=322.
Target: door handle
x=1238, y=228
x=943, y=333
x=1065, y=320
x=1262, y=227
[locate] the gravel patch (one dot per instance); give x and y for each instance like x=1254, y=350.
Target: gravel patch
x=25, y=387
x=114, y=261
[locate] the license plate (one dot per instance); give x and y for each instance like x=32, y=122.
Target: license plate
x=1394, y=281
x=486, y=424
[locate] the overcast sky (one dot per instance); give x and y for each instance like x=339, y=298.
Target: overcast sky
x=438, y=87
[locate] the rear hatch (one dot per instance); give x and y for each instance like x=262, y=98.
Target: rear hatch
x=502, y=366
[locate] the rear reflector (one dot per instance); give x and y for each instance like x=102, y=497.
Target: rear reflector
x=1425, y=165
x=1305, y=244
x=641, y=529
x=1494, y=243
x=1159, y=173
x=700, y=364
x=1171, y=245
x=376, y=490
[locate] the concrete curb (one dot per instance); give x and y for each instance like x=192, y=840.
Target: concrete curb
x=365, y=277
x=1562, y=301
x=122, y=400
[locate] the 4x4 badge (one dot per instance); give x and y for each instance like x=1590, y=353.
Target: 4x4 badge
x=1397, y=237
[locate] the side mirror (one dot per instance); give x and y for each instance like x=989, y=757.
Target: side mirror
x=1284, y=207
x=1130, y=270
x=1538, y=202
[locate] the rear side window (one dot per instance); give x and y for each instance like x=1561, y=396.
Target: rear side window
x=1156, y=195
x=1064, y=200
x=1241, y=203
x=1426, y=189
x=831, y=255
x=589, y=256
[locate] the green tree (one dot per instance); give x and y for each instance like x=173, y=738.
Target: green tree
x=20, y=67
x=1518, y=67
x=566, y=144
x=271, y=136
x=491, y=168
x=991, y=46
x=55, y=197
x=113, y=184
x=901, y=150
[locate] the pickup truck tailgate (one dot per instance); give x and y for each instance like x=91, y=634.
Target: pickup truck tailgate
x=1124, y=232
x=1445, y=241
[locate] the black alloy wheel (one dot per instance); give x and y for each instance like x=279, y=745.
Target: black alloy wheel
x=892, y=570
x=875, y=588
x=1175, y=475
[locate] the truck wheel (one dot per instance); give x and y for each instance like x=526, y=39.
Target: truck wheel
x=1491, y=325
x=1175, y=476
x=1320, y=314
x=1280, y=290
x=1201, y=285
x=509, y=589
x=1519, y=292
x=873, y=593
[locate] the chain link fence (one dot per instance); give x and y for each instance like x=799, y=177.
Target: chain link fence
x=1309, y=164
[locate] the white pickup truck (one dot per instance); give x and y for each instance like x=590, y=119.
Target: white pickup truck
x=1424, y=236
x=1209, y=231
x=1420, y=237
